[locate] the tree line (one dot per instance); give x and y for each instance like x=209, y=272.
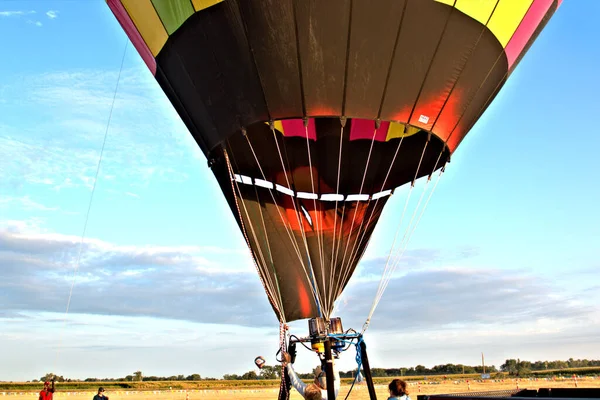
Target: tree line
x=518, y=367
x=514, y=367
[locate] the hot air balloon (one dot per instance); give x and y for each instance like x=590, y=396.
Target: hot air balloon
x=311, y=113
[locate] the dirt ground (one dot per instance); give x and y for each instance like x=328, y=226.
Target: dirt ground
x=359, y=392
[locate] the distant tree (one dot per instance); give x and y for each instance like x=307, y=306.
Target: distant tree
x=378, y=372
x=48, y=377
x=250, y=375
x=510, y=366
x=138, y=375
x=129, y=378
x=194, y=377
x=270, y=372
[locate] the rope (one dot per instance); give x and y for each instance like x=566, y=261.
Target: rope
x=267, y=285
x=317, y=218
x=376, y=202
x=283, y=389
x=359, y=192
x=330, y=295
x=358, y=360
x=316, y=293
x=300, y=223
x=401, y=249
x=387, y=274
x=345, y=271
x=272, y=263
x=87, y=215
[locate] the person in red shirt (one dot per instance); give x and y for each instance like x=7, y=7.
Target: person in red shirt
x=48, y=391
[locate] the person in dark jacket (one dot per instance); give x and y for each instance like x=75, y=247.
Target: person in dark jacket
x=100, y=395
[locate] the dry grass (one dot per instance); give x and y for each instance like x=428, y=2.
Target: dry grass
x=358, y=393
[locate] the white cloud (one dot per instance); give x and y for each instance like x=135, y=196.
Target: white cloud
x=32, y=22
x=188, y=283
x=24, y=203
x=62, y=146
x=180, y=282
x=15, y=13
x=52, y=14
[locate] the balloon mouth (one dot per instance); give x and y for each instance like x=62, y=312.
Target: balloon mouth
x=261, y=150
x=326, y=197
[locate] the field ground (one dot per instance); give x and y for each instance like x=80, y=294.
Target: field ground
x=358, y=393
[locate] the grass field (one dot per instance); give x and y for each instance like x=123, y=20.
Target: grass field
x=358, y=393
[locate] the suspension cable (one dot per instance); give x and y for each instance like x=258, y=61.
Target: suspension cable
x=330, y=295
x=317, y=218
x=396, y=235
x=405, y=244
x=388, y=271
x=347, y=273
x=267, y=283
x=87, y=214
x=296, y=212
x=316, y=293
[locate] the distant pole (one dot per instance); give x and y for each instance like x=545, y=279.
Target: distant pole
x=482, y=362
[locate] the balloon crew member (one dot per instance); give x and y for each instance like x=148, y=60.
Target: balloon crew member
x=397, y=389
x=100, y=395
x=48, y=391
x=320, y=380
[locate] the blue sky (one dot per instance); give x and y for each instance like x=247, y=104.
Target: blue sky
x=504, y=261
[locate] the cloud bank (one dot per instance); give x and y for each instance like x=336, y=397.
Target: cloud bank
x=214, y=285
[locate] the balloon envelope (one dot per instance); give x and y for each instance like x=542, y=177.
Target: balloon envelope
x=311, y=112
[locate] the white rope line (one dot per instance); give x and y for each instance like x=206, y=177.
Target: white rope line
x=395, y=237
x=269, y=248
x=399, y=251
x=330, y=295
x=268, y=286
x=316, y=295
x=283, y=220
x=388, y=271
x=355, y=248
x=324, y=308
x=87, y=215
x=409, y=236
x=346, y=273
x=289, y=185
x=298, y=218
x=404, y=240
x=360, y=192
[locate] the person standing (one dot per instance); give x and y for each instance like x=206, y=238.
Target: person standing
x=397, y=389
x=100, y=395
x=48, y=391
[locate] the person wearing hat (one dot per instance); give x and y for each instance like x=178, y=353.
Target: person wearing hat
x=47, y=392
x=100, y=395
